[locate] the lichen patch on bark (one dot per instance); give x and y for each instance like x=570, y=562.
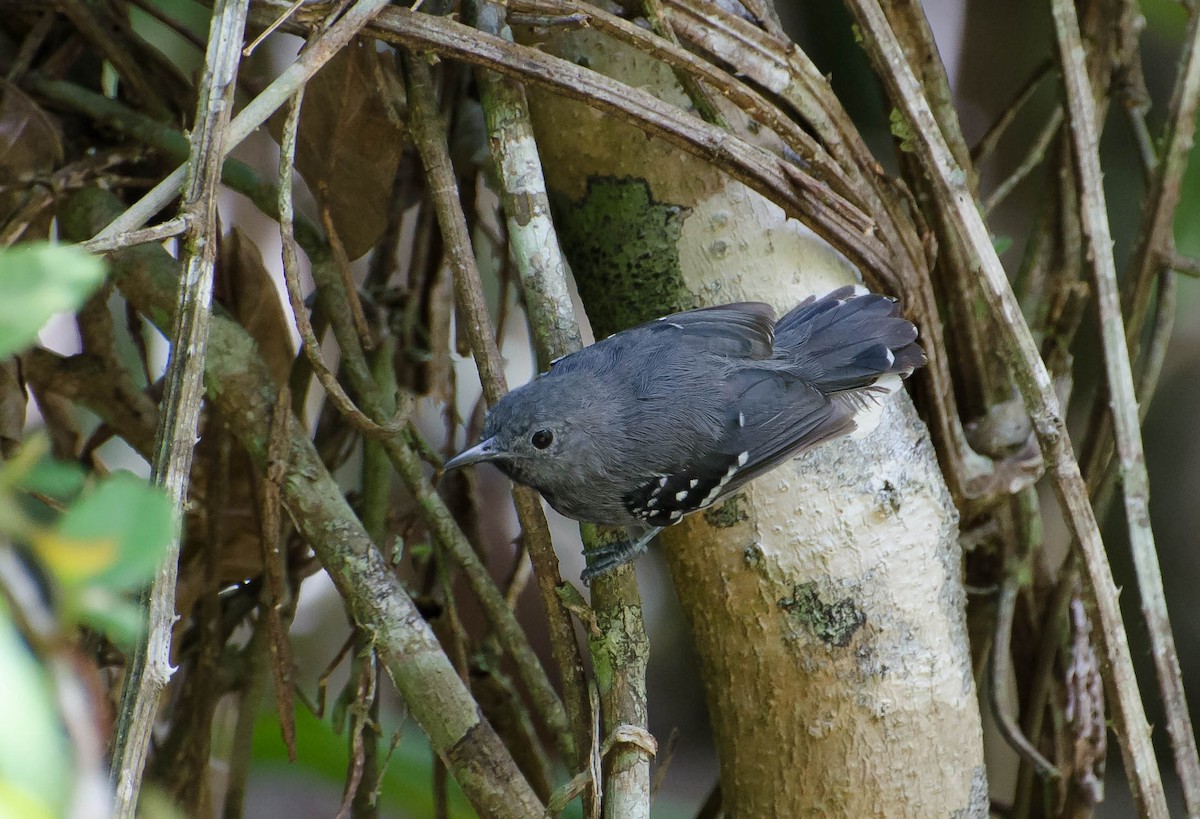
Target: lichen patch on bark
x=833, y=623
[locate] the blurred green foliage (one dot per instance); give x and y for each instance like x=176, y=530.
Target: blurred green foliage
x=73, y=549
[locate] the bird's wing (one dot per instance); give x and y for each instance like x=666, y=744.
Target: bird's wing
x=771, y=417
x=741, y=330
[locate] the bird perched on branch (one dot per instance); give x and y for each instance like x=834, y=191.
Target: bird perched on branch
x=669, y=417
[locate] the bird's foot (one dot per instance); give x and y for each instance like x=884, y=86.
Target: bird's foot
x=608, y=556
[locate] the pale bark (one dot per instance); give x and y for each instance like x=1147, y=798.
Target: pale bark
x=826, y=599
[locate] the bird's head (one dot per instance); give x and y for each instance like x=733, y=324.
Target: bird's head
x=538, y=430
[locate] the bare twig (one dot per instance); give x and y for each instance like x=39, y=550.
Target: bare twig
x=1037, y=153
x=435, y=696
x=542, y=269
x=308, y=338
x=430, y=138
x=998, y=675
x=342, y=262
x=1034, y=382
x=1185, y=265
x=150, y=667
x=156, y=233
x=987, y=143
x=274, y=568
x=319, y=51
x=127, y=65
x=1123, y=399
x=269, y=30
x=697, y=93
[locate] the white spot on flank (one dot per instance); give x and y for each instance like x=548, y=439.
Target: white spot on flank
x=693, y=483
x=745, y=456
x=741, y=419
x=676, y=515
x=662, y=481
x=679, y=496
x=891, y=358
x=859, y=290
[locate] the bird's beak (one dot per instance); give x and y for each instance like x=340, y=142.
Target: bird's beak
x=485, y=450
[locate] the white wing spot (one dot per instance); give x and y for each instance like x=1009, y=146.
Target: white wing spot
x=891, y=358
x=679, y=496
x=676, y=515
x=662, y=481
x=741, y=419
x=745, y=456
x=693, y=483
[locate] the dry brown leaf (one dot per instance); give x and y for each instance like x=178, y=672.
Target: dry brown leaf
x=30, y=146
x=350, y=141
x=245, y=287
x=12, y=406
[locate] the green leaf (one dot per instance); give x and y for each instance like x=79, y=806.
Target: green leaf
x=59, y=480
x=121, y=620
x=35, y=758
x=37, y=281
x=115, y=536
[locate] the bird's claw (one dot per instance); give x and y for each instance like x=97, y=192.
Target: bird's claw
x=606, y=557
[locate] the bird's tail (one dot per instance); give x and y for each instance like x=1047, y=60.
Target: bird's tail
x=852, y=345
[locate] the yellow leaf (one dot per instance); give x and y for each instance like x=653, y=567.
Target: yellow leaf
x=75, y=559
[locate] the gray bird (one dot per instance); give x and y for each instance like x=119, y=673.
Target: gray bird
x=667, y=418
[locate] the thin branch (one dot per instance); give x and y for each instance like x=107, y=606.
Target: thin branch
x=342, y=262
x=318, y=52
x=150, y=667
x=1017, y=345
x=429, y=135
x=1122, y=393
x=839, y=220
x=291, y=274
x=988, y=142
x=127, y=66
x=739, y=93
x=697, y=93
x=1184, y=265
x=535, y=251
x=1035, y=157
x=156, y=233
x=245, y=395
x=1000, y=669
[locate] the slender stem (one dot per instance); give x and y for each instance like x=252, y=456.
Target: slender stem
x=150, y=667
x=291, y=275
x=1017, y=345
x=155, y=233
x=542, y=270
x=1123, y=402
x=243, y=391
x=429, y=134
x=319, y=51
x=1037, y=153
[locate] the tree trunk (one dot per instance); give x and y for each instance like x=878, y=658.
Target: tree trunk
x=825, y=599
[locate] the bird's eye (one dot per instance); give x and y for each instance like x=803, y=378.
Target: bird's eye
x=542, y=438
